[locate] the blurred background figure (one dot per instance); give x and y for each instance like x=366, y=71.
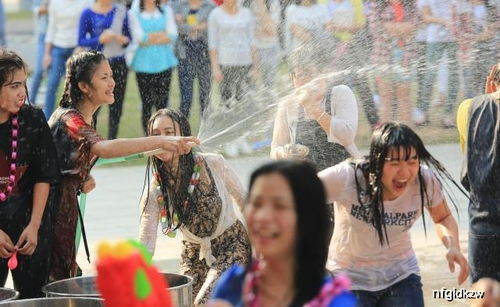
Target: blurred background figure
x=268, y=17
x=231, y=30
x=348, y=25
x=444, y=27
x=482, y=44
x=40, y=10
x=392, y=26
x=319, y=121
x=192, y=51
x=104, y=27
x=305, y=23
x=60, y=42
x=154, y=31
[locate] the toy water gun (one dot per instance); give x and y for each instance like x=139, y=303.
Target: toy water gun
x=127, y=278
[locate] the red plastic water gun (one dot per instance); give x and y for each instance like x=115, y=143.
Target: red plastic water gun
x=127, y=278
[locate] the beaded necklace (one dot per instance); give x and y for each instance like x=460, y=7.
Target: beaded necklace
x=193, y=182
x=13, y=158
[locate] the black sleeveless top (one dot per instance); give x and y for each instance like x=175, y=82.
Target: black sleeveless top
x=309, y=133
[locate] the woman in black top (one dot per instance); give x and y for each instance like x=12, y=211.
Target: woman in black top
x=28, y=167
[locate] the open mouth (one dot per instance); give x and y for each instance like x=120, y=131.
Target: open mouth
x=400, y=184
x=266, y=234
x=20, y=103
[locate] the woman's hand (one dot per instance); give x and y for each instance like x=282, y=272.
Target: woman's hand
x=6, y=245
x=88, y=185
x=455, y=256
x=179, y=144
x=311, y=94
x=490, y=86
x=122, y=39
x=28, y=240
x=106, y=37
x=47, y=60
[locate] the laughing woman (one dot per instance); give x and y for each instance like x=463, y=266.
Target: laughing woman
x=377, y=201
x=89, y=84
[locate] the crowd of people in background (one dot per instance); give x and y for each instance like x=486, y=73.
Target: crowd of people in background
x=391, y=53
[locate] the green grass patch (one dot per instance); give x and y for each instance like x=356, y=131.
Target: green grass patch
x=20, y=15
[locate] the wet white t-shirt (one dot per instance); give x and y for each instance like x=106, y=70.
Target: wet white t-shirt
x=355, y=247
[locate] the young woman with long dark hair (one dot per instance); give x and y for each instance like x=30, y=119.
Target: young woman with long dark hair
x=287, y=218
x=197, y=194
x=377, y=201
x=89, y=84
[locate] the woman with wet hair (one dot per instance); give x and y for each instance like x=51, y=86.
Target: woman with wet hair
x=196, y=193
x=377, y=201
x=89, y=84
x=28, y=169
x=286, y=218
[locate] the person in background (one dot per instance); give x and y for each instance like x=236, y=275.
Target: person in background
x=267, y=19
x=319, y=120
x=392, y=26
x=286, y=217
x=478, y=126
x=305, y=23
x=192, y=51
x=60, y=42
x=231, y=43
x=349, y=27
x=40, y=10
x=154, y=31
x=482, y=44
x=104, y=27
x=444, y=26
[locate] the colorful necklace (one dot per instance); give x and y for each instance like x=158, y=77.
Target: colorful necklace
x=13, y=158
x=167, y=229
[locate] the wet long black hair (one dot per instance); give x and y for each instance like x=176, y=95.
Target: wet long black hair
x=369, y=172
x=311, y=249
x=10, y=62
x=80, y=67
x=173, y=184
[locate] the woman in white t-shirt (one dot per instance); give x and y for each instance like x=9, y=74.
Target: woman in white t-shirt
x=305, y=23
x=377, y=200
